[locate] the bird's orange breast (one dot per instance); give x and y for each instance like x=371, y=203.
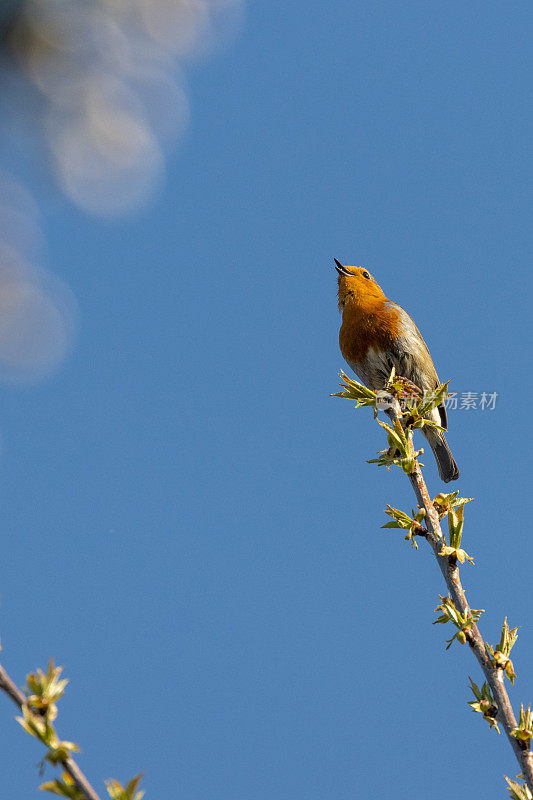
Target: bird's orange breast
x=374, y=324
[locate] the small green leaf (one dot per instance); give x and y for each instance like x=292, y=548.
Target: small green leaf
x=484, y=704
x=129, y=792
x=64, y=786
x=518, y=791
x=500, y=653
x=524, y=732
x=353, y=390
x=463, y=623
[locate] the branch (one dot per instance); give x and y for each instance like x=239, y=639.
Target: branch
x=494, y=676
x=68, y=763
x=492, y=700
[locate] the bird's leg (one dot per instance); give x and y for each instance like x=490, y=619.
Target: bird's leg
x=411, y=387
x=407, y=392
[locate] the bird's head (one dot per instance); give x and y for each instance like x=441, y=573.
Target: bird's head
x=356, y=285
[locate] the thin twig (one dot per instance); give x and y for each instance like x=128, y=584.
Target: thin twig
x=69, y=765
x=402, y=452
x=450, y=571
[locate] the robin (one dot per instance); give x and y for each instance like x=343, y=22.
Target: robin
x=376, y=335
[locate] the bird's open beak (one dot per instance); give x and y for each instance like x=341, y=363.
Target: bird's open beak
x=341, y=269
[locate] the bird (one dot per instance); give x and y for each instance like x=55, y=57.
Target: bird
x=377, y=335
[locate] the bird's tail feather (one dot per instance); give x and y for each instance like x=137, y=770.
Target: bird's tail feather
x=448, y=469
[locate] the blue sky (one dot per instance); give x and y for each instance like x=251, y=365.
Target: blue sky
x=189, y=523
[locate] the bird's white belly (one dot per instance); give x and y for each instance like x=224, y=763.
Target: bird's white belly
x=374, y=370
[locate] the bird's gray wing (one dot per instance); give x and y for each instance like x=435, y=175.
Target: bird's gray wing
x=412, y=359
x=411, y=356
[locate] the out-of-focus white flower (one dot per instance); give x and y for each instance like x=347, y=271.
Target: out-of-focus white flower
x=109, y=73
x=37, y=311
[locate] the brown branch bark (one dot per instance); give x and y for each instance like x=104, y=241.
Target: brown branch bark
x=494, y=676
x=69, y=765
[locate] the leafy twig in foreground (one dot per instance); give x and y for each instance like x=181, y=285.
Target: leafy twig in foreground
x=39, y=711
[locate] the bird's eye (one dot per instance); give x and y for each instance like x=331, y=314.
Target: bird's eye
x=366, y=274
